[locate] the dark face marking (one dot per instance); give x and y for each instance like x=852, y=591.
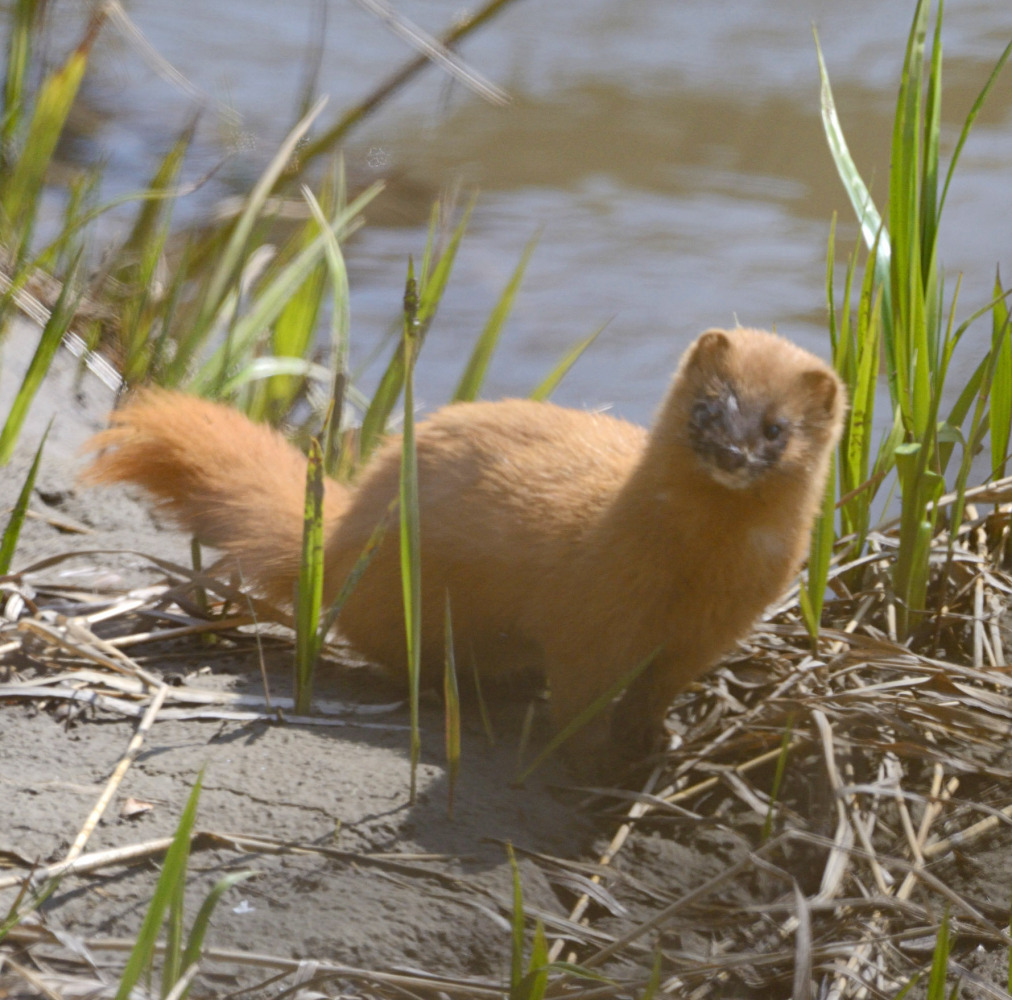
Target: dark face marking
x=737, y=442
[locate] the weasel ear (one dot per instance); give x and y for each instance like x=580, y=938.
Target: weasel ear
x=822, y=389
x=710, y=350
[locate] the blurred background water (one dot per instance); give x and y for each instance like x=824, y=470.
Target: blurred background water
x=671, y=153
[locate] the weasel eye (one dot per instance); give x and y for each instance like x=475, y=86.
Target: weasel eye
x=773, y=430
x=704, y=412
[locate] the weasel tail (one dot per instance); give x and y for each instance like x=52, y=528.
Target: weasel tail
x=571, y=544
x=237, y=485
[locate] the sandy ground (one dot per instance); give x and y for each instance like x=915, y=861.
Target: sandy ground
x=413, y=886
x=351, y=871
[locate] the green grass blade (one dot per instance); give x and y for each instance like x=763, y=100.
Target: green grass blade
x=972, y=117
x=820, y=554
x=272, y=299
x=430, y=292
x=172, y=956
x=517, y=927
x=867, y=214
x=1001, y=385
x=544, y=389
x=929, y=216
x=49, y=341
x=971, y=447
x=435, y=221
x=535, y=982
x=939, y=962
x=340, y=329
x=309, y=589
x=150, y=216
x=23, y=24
x=17, y=518
x=173, y=873
x=294, y=333
x=274, y=367
x=979, y=381
x=778, y=777
x=653, y=987
x=381, y=405
x=411, y=573
x=195, y=939
x=474, y=373
x=479, y=696
x=451, y=693
x=229, y=263
x=28, y=900
x=904, y=175
x=135, y=267
x=361, y=565
x=20, y=190
x=837, y=347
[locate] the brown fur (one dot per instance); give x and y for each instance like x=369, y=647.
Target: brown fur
x=570, y=543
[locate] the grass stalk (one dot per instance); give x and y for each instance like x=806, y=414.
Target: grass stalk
x=429, y=291
x=410, y=530
x=451, y=698
x=309, y=587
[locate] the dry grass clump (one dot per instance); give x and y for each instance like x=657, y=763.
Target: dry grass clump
x=839, y=792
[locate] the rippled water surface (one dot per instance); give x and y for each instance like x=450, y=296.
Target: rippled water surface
x=671, y=153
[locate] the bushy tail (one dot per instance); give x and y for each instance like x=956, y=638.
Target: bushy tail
x=237, y=485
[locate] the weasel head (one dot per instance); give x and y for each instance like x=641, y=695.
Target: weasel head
x=754, y=407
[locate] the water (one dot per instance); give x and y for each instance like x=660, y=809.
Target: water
x=671, y=154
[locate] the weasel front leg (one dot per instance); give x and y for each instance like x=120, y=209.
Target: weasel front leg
x=634, y=724
x=637, y=720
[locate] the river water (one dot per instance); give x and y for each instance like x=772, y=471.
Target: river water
x=671, y=154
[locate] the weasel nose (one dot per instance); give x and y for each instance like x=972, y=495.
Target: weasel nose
x=731, y=458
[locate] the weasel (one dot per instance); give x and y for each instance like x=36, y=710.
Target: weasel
x=570, y=543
